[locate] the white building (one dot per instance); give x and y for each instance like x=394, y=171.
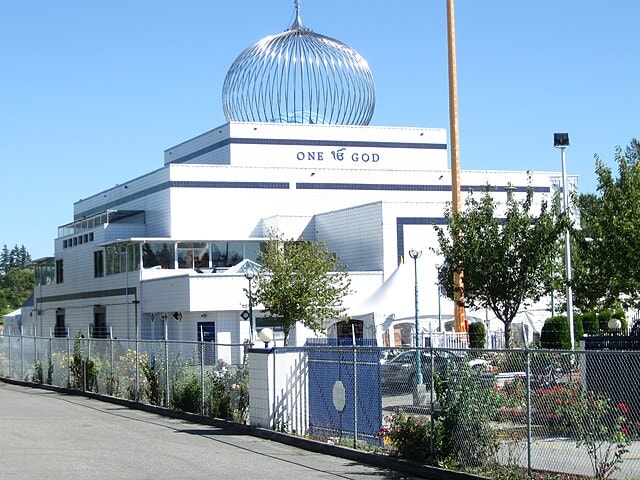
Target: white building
x=166, y=249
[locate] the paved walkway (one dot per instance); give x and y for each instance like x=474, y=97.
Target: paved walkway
x=56, y=436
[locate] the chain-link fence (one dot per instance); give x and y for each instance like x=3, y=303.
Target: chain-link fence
x=528, y=410
x=557, y=411
x=197, y=377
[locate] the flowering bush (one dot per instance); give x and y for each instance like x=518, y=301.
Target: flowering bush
x=409, y=436
x=512, y=401
x=552, y=406
x=602, y=429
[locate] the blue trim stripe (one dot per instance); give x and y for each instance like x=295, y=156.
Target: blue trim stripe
x=268, y=185
x=412, y=188
x=202, y=151
x=294, y=142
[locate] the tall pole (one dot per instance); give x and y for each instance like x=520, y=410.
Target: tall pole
x=249, y=274
x=415, y=254
x=567, y=248
x=459, y=320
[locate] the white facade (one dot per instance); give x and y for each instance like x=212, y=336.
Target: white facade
x=371, y=193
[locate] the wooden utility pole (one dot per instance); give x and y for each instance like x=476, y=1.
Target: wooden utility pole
x=459, y=315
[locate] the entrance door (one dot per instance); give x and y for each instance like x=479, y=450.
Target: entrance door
x=207, y=334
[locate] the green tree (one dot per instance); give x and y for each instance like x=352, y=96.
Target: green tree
x=301, y=281
x=15, y=287
x=5, y=256
x=505, y=262
x=17, y=257
x=606, y=246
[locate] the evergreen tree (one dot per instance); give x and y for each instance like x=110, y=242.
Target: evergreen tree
x=4, y=259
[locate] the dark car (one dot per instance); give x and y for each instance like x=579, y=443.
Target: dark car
x=399, y=373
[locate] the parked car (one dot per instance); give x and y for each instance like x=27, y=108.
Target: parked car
x=399, y=373
x=489, y=373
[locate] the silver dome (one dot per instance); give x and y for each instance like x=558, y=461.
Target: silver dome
x=299, y=76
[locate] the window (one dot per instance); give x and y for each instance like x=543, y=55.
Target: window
x=350, y=329
x=45, y=273
x=133, y=257
x=59, y=271
x=226, y=254
x=113, y=260
x=60, y=329
x=252, y=250
x=98, y=263
x=100, y=329
x=193, y=255
x=157, y=255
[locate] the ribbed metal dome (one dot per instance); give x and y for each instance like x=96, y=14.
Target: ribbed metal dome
x=299, y=76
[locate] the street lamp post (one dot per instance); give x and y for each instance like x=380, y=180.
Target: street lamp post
x=415, y=254
x=440, y=329
x=249, y=274
x=561, y=141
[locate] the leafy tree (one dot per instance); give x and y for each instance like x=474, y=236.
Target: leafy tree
x=505, y=262
x=15, y=287
x=606, y=246
x=301, y=281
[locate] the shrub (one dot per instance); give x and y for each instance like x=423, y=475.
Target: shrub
x=578, y=327
x=187, y=394
x=152, y=385
x=218, y=397
x=590, y=323
x=601, y=429
x=477, y=335
x=555, y=334
x=409, y=436
x=469, y=403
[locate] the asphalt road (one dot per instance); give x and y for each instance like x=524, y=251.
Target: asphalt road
x=51, y=435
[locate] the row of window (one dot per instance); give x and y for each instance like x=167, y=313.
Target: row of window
x=79, y=240
x=129, y=257
x=199, y=256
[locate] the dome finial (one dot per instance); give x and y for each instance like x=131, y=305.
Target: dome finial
x=297, y=22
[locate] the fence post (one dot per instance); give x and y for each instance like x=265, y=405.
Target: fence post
x=137, y=371
x=201, y=372
x=35, y=345
x=10, y=373
x=68, y=358
x=50, y=360
x=355, y=389
x=166, y=363
x=21, y=354
x=431, y=405
x=527, y=353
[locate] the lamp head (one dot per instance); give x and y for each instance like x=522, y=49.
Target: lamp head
x=415, y=253
x=560, y=140
x=266, y=336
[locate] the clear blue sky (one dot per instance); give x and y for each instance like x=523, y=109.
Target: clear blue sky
x=91, y=93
